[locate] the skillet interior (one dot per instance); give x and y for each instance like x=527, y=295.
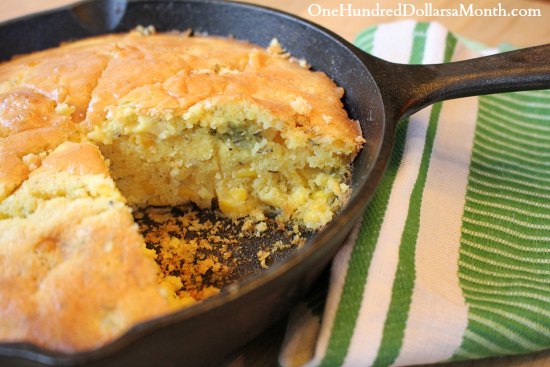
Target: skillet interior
x=206, y=333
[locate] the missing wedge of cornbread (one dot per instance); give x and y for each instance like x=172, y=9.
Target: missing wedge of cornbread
x=98, y=129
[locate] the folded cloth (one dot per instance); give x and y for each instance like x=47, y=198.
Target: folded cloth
x=451, y=260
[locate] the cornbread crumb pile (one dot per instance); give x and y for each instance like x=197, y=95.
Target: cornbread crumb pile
x=200, y=251
x=94, y=127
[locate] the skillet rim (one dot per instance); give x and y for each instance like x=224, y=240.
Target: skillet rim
x=345, y=217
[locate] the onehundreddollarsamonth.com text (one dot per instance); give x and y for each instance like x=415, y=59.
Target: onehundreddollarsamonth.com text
x=425, y=9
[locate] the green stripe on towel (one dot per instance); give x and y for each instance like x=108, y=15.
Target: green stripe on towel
x=505, y=254
x=346, y=316
x=394, y=328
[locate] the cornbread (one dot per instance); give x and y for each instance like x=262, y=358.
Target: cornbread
x=74, y=270
x=94, y=127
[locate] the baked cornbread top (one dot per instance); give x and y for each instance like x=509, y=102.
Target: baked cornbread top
x=60, y=94
x=75, y=271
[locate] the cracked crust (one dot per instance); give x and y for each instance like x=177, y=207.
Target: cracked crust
x=75, y=271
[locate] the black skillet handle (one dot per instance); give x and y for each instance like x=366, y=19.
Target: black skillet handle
x=409, y=88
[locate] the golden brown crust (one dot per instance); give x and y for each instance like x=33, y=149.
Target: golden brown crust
x=67, y=74
x=76, y=159
x=13, y=172
x=174, y=71
x=74, y=270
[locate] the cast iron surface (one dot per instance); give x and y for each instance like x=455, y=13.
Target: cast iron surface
x=378, y=93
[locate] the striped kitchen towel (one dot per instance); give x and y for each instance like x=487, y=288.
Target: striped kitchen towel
x=451, y=260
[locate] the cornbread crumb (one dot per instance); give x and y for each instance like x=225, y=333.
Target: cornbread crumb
x=64, y=109
x=145, y=31
x=301, y=106
x=261, y=227
x=275, y=47
x=262, y=257
x=327, y=119
x=303, y=63
x=247, y=225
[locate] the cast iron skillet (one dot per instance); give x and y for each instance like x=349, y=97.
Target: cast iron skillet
x=378, y=94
